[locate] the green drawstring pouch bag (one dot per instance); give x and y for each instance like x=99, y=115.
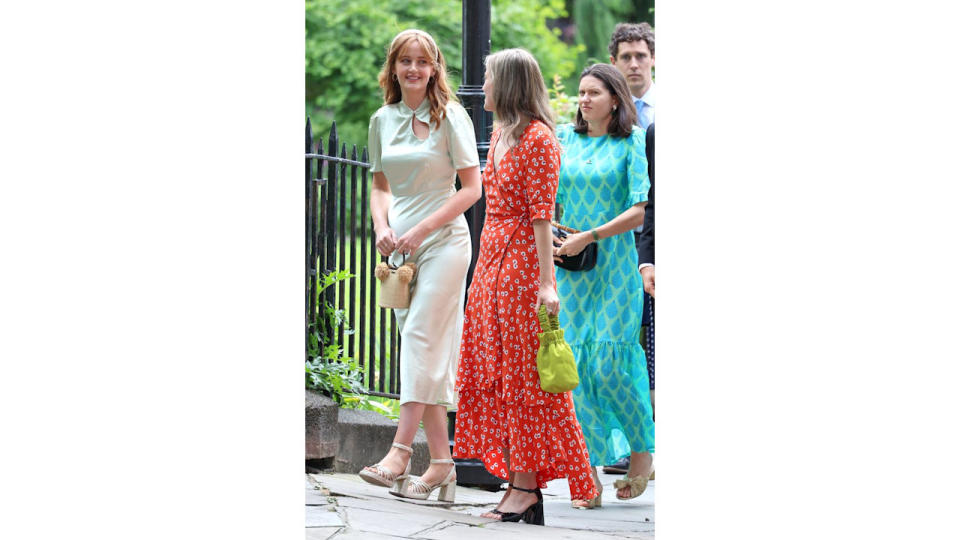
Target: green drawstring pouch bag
x=555, y=363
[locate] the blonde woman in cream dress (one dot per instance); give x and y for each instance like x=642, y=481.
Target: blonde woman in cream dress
x=419, y=141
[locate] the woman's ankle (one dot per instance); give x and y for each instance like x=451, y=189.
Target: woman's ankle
x=397, y=455
x=525, y=481
x=641, y=463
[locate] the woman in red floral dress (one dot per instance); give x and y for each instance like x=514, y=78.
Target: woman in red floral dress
x=504, y=418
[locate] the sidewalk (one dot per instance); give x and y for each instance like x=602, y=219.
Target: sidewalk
x=343, y=506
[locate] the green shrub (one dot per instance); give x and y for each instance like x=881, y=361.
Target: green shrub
x=564, y=106
x=335, y=378
x=386, y=406
x=329, y=370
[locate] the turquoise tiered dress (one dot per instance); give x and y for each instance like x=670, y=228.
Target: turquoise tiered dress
x=600, y=309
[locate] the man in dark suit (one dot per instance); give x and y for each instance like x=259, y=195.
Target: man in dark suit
x=645, y=252
x=644, y=240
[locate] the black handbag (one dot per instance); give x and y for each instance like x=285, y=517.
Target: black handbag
x=583, y=261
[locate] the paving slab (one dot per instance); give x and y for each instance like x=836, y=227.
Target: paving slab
x=350, y=534
x=322, y=533
x=522, y=531
x=369, y=511
x=352, y=485
x=430, y=515
x=323, y=516
x=634, y=516
x=407, y=525
x=317, y=494
x=317, y=498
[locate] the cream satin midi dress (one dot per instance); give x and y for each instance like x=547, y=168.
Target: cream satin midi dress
x=422, y=174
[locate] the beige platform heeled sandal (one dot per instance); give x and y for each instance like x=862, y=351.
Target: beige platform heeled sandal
x=415, y=488
x=382, y=476
x=637, y=485
x=590, y=504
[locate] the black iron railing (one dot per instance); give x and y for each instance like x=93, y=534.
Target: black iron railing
x=339, y=236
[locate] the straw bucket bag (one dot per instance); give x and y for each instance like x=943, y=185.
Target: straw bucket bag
x=395, y=283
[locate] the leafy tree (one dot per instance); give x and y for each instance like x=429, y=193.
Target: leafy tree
x=346, y=42
x=524, y=23
x=595, y=20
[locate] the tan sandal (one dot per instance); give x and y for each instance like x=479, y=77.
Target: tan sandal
x=637, y=485
x=590, y=504
x=379, y=475
x=415, y=488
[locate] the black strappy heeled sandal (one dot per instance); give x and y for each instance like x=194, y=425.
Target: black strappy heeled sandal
x=533, y=515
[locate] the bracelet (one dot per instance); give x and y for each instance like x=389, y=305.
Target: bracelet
x=596, y=237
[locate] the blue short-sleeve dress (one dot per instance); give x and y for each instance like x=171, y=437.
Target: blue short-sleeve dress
x=600, y=309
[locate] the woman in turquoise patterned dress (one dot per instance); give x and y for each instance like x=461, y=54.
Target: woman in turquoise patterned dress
x=603, y=190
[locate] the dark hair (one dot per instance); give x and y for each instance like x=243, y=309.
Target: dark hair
x=631, y=32
x=622, y=119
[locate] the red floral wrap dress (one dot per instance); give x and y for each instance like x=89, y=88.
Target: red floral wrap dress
x=501, y=405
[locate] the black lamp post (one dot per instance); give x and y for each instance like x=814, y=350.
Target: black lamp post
x=476, y=46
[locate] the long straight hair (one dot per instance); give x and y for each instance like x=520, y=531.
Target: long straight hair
x=438, y=91
x=518, y=91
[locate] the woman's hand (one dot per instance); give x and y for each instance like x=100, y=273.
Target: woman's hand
x=547, y=296
x=557, y=242
x=386, y=241
x=410, y=242
x=574, y=243
x=647, y=273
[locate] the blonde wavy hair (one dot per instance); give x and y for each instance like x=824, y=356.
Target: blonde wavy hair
x=518, y=91
x=438, y=91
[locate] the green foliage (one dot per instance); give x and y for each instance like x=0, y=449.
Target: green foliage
x=327, y=321
x=346, y=43
x=595, y=21
x=523, y=23
x=386, y=406
x=335, y=378
x=329, y=369
x=564, y=106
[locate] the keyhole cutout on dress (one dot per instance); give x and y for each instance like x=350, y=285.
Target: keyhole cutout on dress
x=420, y=130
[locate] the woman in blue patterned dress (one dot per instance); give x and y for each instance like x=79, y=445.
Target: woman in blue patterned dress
x=603, y=191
